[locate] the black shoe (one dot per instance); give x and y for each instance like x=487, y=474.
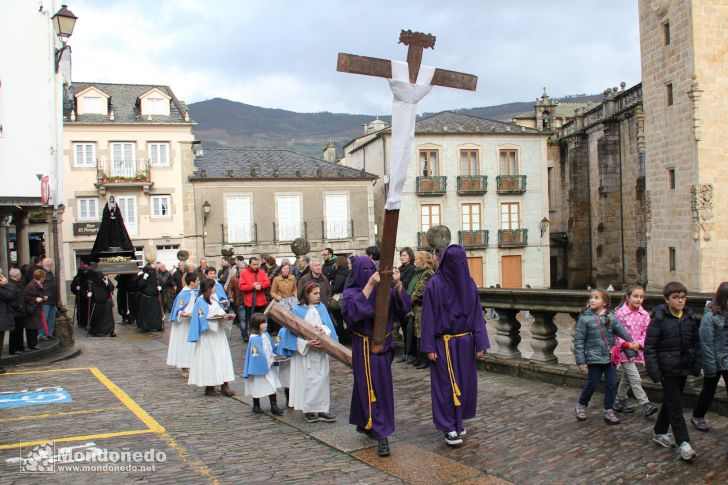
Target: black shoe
x=403, y=358
x=328, y=417
x=365, y=431
x=383, y=447
x=275, y=410
x=311, y=417
x=112, y=334
x=257, y=409
x=424, y=365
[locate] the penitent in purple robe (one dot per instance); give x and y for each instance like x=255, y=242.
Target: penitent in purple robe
x=451, y=311
x=372, y=371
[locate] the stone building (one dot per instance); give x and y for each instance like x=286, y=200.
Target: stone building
x=683, y=50
x=484, y=179
x=260, y=200
x=131, y=141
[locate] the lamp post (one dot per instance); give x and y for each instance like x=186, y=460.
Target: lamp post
x=206, y=207
x=544, y=226
x=63, y=23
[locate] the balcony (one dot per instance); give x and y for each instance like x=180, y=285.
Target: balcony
x=473, y=239
x=128, y=173
x=432, y=186
x=337, y=230
x=512, y=238
x=511, y=184
x=472, y=184
x=422, y=243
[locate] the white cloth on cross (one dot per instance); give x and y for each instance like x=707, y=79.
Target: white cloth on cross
x=404, y=115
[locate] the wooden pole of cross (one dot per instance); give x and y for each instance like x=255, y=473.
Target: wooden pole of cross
x=416, y=43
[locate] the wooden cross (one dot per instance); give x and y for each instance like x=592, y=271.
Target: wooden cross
x=416, y=42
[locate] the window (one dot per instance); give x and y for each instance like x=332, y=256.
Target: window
x=94, y=105
x=666, y=33
x=668, y=93
x=429, y=163
x=551, y=187
x=88, y=209
x=122, y=160
x=84, y=154
x=471, y=217
x=671, y=177
x=128, y=207
x=509, y=162
x=155, y=106
x=159, y=154
x=510, y=216
x=429, y=216
x=469, y=162
x=672, y=259
x=288, y=208
x=161, y=206
x=239, y=227
x=336, y=210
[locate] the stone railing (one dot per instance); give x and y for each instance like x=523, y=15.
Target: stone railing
x=543, y=306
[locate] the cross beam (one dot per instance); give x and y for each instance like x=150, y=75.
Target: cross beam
x=416, y=43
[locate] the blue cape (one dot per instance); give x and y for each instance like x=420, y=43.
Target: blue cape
x=180, y=303
x=198, y=322
x=255, y=362
x=288, y=339
x=220, y=293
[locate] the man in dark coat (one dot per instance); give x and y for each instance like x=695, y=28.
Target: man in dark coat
x=101, y=322
x=178, y=277
x=8, y=294
x=149, y=311
x=49, y=306
x=79, y=287
x=329, y=263
x=167, y=284
x=112, y=232
x=16, y=345
x=123, y=303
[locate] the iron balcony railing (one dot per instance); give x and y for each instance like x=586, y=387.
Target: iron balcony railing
x=511, y=184
x=472, y=184
x=422, y=241
x=122, y=171
x=473, y=239
x=434, y=185
x=512, y=238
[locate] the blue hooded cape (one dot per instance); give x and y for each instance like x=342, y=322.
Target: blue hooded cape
x=220, y=293
x=198, y=322
x=256, y=363
x=180, y=303
x=288, y=338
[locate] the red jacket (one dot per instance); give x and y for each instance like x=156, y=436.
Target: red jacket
x=247, y=278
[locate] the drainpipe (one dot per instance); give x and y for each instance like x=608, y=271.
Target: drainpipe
x=621, y=199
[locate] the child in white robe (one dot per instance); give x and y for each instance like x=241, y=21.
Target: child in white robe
x=179, y=353
x=260, y=377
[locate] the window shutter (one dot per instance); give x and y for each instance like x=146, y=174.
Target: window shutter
x=337, y=216
x=238, y=219
x=289, y=217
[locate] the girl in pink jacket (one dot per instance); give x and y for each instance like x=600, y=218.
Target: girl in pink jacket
x=635, y=320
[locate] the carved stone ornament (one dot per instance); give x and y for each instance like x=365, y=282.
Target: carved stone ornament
x=227, y=250
x=183, y=255
x=660, y=6
x=701, y=207
x=438, y=236
x=300, y=246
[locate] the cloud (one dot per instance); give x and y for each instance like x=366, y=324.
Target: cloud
x=282, y=54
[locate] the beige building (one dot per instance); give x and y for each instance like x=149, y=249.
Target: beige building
x=685, y=92
x=260, y=200
x=485, y=180
x=130, y=141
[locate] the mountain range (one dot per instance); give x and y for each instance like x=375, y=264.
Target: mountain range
x=221, y=122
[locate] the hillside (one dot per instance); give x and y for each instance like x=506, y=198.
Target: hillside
x=221, y=122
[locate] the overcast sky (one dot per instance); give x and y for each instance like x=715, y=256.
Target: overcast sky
x=282, y=53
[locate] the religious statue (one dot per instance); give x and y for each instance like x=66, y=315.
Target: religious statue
x=112, y=238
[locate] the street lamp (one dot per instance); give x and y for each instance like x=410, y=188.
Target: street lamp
x=206, y=207
x=63, y=23
x=544, y=226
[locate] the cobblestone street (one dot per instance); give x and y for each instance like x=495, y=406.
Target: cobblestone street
x=124, y=397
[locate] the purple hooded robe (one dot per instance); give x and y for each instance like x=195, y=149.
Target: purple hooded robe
x=372, y=398
x=453, y=327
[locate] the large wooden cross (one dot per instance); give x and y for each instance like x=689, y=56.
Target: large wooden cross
x=416, y=42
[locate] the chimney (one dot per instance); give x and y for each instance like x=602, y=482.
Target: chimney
x=330, y=152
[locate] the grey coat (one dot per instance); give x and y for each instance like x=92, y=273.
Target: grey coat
x=589, y=345
x=714, y=343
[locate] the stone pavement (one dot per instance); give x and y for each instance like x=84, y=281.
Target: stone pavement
x=525, y=431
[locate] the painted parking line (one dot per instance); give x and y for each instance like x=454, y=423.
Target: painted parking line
x=56, y=415
x=152, y=426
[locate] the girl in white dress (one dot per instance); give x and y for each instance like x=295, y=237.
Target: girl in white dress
x=309, y=391
x=261, y=379
x=212, y=364
x=180, y=350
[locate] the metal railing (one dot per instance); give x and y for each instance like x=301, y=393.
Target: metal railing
x=472, y=184
x=473, y=239
x=434, y=185
x=511, y=184
x=512, y=238
x=122, y=171
x=422, y=243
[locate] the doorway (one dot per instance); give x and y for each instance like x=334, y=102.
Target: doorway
x=511, y=272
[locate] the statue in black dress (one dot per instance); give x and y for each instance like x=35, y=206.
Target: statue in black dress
x=112, y=238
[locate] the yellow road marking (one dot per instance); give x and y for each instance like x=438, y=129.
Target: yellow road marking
x=55, y=415
x=44, y=371
x=196, y=463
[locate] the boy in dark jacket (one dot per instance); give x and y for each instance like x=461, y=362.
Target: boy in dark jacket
x=672, y=352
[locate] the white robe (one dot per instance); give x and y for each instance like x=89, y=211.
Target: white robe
x=262, y=386
x=309, y=381
x=212, y=364
x=179, y=353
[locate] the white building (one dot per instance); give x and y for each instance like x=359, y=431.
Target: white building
x=31, y=83
x=486, y=180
